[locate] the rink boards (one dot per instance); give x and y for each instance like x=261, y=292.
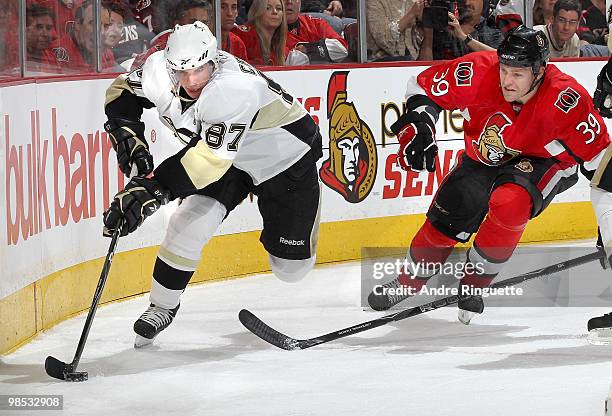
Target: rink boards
x=60, y=172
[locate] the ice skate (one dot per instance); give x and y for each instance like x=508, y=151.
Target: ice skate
x=469, y=307
x=388, y=295
x=154, y=320
x=600, y=330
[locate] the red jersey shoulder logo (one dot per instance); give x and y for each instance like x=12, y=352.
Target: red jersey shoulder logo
x=567, y=99
x=490, y=147
x=464, y=73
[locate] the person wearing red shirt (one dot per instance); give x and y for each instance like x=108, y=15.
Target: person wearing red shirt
x=63, y=12
x=40, y=32
x=229, y=41
x=9, y=47
x=76, y=53
x=311, y=39
x=528, y=128
x=265, y=35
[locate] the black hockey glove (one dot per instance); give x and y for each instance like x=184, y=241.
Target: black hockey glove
x=140, y=198
x=127, y=137
x=603, y=93
x=416, y=135
x=317, y=52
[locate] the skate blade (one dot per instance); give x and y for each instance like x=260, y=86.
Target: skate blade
x=600, y=336
x=465, y=316
x=140, y=341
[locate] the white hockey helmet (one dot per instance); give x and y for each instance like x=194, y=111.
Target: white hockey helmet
x=190, y=46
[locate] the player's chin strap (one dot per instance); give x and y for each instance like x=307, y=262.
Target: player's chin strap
x=536, y=81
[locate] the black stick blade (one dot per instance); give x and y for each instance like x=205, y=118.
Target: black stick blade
x=56, y=368
x=265, y=332
x=62, y=371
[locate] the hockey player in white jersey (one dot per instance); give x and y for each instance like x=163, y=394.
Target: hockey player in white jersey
x=600, y=327
x=242, y=133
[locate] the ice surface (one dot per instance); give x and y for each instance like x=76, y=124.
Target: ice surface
x=509, y=361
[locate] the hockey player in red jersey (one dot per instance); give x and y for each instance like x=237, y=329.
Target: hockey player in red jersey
x=528, y=128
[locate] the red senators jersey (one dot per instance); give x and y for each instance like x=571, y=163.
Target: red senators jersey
x=149, y=13
x=558, y=121
x=311, y=29
x=69, y=57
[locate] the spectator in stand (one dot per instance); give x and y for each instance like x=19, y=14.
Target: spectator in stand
x=593, y=28
x=561, y=33
x=9, y=46
x=188, y=11
x=63, y=12
x=543, y=12
x=40, y=33
x=393, y=33
x=330, y=11
x=265, y=35
x=229, y=41
x=153, y=14
x=509, y=13
x=468, y=33
x=112, y=27
x=77, y=52
x=134, y=36
x=310, y=39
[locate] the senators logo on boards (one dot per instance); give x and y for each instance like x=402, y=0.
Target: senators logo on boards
x=350, y=169
x=490, y=147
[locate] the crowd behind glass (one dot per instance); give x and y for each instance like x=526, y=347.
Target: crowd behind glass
x=69, y=37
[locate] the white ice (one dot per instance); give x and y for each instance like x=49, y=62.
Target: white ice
x=509, y=361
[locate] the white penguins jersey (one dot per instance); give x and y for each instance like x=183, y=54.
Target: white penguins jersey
x=243, y=118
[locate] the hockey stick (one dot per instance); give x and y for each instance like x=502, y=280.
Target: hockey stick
x=280, y=340
x=59, y=369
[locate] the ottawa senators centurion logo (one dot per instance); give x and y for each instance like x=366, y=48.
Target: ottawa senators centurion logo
x=490, y=147
x=350, y=169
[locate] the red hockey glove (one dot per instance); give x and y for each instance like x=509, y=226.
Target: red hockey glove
x=416, y=135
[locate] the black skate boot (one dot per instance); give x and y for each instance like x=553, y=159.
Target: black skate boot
x=394, y=292
x=468, y=307
x=600, y=330
x=383, y=300
x=154, y=320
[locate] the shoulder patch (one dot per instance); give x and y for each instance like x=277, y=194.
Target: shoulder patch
x=567, y=99
x=243, y=28
x=464, y=73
